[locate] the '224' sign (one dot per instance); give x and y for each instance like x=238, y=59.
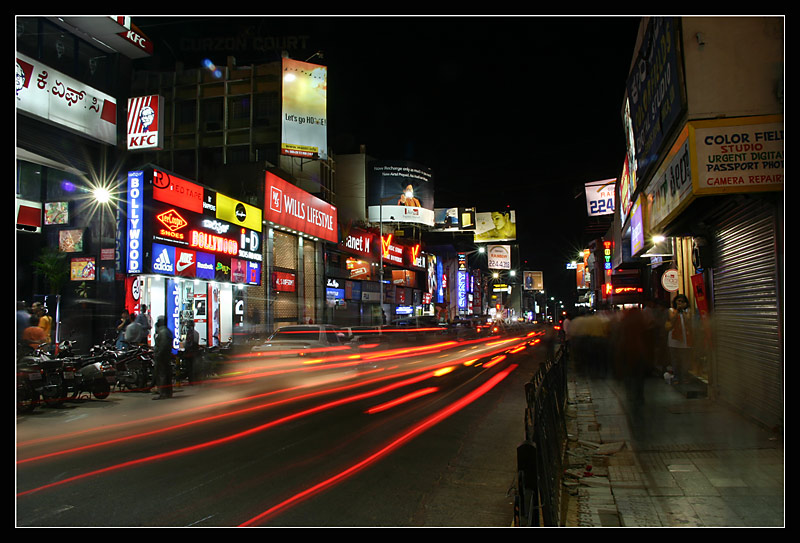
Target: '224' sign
x=601, y=207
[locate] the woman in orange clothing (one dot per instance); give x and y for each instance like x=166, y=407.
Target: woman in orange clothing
x=33, y=336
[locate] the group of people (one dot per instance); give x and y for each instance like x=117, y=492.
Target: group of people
x=34, y=325
x=634, y=343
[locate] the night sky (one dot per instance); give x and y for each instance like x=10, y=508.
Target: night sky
x=508, y=112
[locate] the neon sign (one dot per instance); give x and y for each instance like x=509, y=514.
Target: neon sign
x=173, y=222
x=134, y=222
x=213, y=243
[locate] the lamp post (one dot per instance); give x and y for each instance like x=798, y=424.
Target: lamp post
x=380, y=236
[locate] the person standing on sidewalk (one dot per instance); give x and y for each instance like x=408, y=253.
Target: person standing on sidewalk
x=679, y=338
x=163, y=359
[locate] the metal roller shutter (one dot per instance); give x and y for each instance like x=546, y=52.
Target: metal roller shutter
x=748, y=342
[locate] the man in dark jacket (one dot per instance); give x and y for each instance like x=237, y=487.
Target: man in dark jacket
x=163, y=359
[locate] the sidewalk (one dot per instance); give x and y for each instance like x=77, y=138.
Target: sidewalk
x=681, y=459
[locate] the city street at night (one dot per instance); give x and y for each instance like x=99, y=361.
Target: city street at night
x=399, y=271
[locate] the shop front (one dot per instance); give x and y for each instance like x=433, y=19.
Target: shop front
x=352, y=290
x=717, y=197
x=190, y=254
x=298, y=227
x=403, y=278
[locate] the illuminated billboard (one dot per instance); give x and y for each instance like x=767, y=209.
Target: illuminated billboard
x=400, y=191
x=304, y=123
x=290, y=206
x=496, y=226
x=600, y=197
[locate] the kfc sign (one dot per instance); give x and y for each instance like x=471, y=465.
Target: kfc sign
x=145, y=129
x=290, y=206
x=57, y=98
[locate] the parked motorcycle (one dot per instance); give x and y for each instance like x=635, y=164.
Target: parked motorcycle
x=29, y=382
x=134, y=368
x=53, y=383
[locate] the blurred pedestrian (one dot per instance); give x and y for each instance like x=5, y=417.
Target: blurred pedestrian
x=134, y=333
x=679, y=338
x=34, y=336
x=655, y=314
x=45, y=320
x=125, y=319
x=163, y=359
x=144, y=320
x=632, y=356
x=190, y=346
x=23, y=319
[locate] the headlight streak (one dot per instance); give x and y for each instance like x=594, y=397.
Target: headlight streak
x=428, y=373
x=398, y=442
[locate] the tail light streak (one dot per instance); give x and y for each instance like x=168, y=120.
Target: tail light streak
x=396, y=443
x=294, y=416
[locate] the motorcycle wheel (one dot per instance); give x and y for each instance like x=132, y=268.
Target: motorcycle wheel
x=101, y=389
x=27, y=398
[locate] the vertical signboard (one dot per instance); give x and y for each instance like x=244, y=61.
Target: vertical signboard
x=145, y=127
x=134, y=235
x=655, y=91
x=174, y=312
x=304, y=130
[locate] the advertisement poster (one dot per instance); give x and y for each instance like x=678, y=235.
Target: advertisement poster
x=82, y=269
x=496, y=226
x=304, y=130
x=400, y=191
x=533, y=280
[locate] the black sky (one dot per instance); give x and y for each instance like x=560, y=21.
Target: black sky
x=514, y=112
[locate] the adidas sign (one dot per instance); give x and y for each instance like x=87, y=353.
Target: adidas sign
x=163, y=263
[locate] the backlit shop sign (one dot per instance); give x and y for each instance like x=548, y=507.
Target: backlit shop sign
x=391, y=252
x=145, y=129
x=290, y=206
x=284, y=281
x=360, y=242
x=134, y=222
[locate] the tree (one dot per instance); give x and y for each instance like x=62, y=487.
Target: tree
x=52, y=266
